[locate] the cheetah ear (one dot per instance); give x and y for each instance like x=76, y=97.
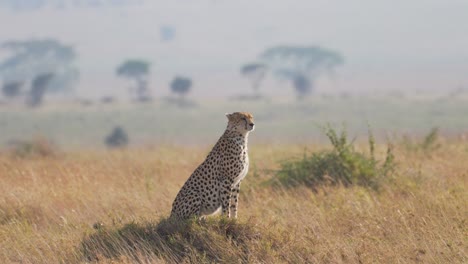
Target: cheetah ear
x=228, y=116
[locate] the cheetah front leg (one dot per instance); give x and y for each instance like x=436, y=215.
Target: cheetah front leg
x=225, y=196
x=234, y=200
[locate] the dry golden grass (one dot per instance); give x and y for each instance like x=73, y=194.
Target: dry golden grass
x=48, y=206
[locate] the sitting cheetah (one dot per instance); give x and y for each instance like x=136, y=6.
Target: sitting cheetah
x=215, y=184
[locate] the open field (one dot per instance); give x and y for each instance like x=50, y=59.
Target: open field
x=49, y=205
x=72, y=127
x=359, y=152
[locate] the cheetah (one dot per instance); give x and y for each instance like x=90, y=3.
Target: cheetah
x=215, y=184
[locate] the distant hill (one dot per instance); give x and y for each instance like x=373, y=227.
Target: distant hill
x=30, y=5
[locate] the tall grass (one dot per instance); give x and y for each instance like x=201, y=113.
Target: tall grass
x=110, y=207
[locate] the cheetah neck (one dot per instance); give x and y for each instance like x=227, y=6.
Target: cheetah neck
x=235, y=135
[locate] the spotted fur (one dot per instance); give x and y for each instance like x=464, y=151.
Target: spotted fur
x=215, y=184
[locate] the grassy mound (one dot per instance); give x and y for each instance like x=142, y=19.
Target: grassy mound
x=212, y=240
x=340, y=165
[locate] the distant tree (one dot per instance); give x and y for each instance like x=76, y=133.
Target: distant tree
x=137, y=70
x=32, y=5
x=255, y=72
x=167, y=33
x=117, y=138
x=12, y=89
x=301, y=65
x=107, y=100
x=32, y=58
x=38, y=89
x=181, y=86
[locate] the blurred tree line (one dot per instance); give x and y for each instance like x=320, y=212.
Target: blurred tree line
x=34, y=68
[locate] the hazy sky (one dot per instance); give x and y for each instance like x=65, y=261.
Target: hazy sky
x=387, y=44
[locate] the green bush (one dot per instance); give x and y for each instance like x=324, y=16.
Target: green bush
x=340, y=165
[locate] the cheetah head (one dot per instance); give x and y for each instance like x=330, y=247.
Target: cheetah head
x=240, y=121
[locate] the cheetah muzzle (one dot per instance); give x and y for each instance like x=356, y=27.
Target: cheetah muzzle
x=215, y=184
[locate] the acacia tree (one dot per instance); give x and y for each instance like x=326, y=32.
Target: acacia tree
x=138, y=71
x=181, y=86
x=32, y=58
x=301, y=65
x=255, y=72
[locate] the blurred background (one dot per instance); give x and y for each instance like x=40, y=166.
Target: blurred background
x=114, y=73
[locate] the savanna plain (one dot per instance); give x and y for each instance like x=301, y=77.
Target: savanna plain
x=335, y=200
